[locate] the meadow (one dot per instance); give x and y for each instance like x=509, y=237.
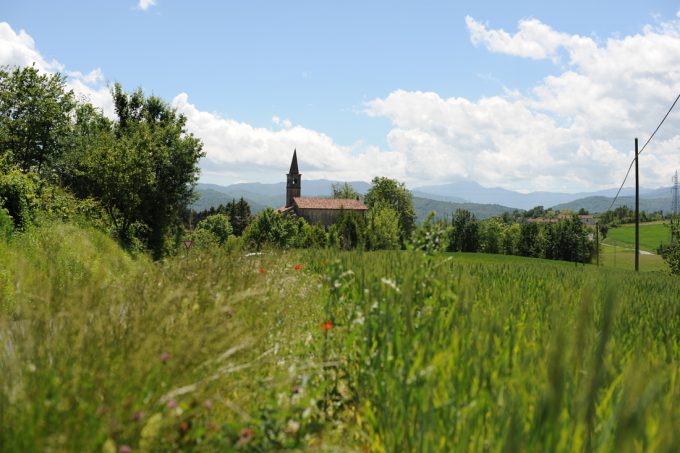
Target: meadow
x=652, y=235
x=320, y=349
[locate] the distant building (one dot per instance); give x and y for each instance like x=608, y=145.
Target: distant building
x=315, y=210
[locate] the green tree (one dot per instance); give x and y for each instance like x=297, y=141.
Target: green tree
x=344, y=190
x=389, y=192
x=464, y=235
x=239, y=215
x=144, y=172
x=274, y=229
x=218, y=225
x=348, y=231
x=35, y=116
x=491, y=235
x=382, y=232
x=527, y=245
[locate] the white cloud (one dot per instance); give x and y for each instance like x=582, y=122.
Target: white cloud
x=19, y=49
x=572, y=131
x=261, y=154
x=146, y=4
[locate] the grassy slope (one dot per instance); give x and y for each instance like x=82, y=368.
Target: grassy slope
x=652, y=235
x=98, y=347
x=618, y=248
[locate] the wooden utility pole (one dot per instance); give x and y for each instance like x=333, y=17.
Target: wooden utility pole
x=597, y=243
x=637, y=210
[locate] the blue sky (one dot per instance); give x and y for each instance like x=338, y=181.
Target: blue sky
x=339, y=78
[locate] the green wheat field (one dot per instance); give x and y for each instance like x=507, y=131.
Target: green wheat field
x=332, y=351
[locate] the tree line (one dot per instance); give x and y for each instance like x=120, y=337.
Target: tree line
x=138, y=169
x=134, y=175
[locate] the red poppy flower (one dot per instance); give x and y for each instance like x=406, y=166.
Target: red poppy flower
x=261, y=270
x=297, y=267
x=326, y=325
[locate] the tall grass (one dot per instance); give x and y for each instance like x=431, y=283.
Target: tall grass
x=101, y=351
x=447, y=356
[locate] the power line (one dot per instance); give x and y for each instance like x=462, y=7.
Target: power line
x=642, y=149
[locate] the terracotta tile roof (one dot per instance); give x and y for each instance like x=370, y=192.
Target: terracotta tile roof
x=329, y=203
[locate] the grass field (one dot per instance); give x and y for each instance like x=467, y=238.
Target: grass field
x=327, y=350
x=652, y=235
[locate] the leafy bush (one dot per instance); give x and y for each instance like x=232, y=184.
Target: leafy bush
x=18, y=195
x=6, y=224
x=218, y=225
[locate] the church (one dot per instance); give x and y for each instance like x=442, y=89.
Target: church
x=315, y=210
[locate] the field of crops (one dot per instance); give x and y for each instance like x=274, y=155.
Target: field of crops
x=380, y=351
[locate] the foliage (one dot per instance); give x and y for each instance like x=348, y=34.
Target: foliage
x=671, y=254
x=491, y=235
x=218, y=225
x=431, y=237
x=344, y=190
x=315, y=236
x=464, y=234
x=389, y=192
x=18, y=193
x=35, y=111
x=348, y=231
x=6, y=224
x=382, y=229
x=144, y=167
x=273, y=229
x=237, y=211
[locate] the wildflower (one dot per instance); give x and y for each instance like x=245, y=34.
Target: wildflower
x=208, y=404
x=138, y=415
x=164, y=357
x=125, y=449
x=261, y=270
x=296, y=389
x=297, y=267
x=326, y=326
x=184, y=427
x=247, y=435
x=292, y=427
x=172, y=404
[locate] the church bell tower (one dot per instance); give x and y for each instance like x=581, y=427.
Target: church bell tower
x=294, y=181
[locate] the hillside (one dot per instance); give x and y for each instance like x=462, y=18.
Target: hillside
x=598, y=204
x=444, y=209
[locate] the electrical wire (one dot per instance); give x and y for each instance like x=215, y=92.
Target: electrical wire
x=642, y=149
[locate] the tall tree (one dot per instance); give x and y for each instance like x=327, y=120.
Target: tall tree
x=35, y=116
x=391, y=193
x=344, y=190
x=145, y=173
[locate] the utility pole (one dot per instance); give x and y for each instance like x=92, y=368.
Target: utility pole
x=637, y=210
x=676, y=200
x=597, y=243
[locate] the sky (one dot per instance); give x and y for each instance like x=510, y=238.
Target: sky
x=524, y=95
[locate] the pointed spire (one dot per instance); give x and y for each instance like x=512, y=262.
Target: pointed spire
x=293, y=165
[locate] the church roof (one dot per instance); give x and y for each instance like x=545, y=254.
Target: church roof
x=293, y=165
x=349, y=204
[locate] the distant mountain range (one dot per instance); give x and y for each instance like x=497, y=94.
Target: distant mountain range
x=472, y=192
x=443, y=199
